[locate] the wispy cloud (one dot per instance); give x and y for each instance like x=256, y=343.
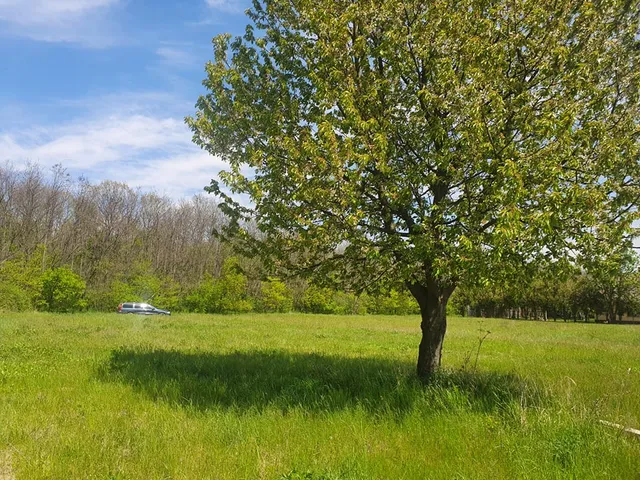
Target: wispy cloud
x=228, y=6
x=147, y=150
x=41, y=11
x=86, y=145
x=177, y=176
x=176, y=57
x=83, y=22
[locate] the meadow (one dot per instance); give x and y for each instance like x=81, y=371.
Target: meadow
x=313, y=397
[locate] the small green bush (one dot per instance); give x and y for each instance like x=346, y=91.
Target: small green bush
x=395, y=302
x=233, y=288
x=20, y=282
x=205, y=298
x=13, y=298
x=109, y=297
x=62, y=291
x=169, y=295
x=318, y=300
x=349, y=303
x=221, y=295
x=275, y=296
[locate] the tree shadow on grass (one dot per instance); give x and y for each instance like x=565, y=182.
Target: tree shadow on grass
x=283, y=380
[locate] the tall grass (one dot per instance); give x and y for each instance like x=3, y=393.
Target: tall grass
x=312, y=397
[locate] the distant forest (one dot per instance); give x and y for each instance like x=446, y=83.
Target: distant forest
x=67, y=244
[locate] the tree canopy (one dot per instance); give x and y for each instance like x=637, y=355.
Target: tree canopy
x=427, y=143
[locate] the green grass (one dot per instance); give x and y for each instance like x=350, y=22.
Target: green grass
x=312, y=397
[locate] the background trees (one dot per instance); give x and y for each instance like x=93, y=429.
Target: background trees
x=154, y=261
x=584, y=297
x=58, y=234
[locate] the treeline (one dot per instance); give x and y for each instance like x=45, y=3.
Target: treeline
x=603, y=295
x=70, y=245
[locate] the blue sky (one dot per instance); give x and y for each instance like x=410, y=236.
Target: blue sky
x=102, y=87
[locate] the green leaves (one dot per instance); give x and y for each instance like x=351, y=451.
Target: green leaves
x=428, y=142
x=63, y=290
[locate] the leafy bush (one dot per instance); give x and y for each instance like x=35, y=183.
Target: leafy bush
x=205, y=298
x=138, y=285
x=395, y=302
x=169, y=295
x=233, y=288
x=20, y=282
x=62, y=291
x=318, y=300
x=349, y=303
x=13, y=298
x=275, y=296
x=145, y=286
x=110, y=296
x=221, y=295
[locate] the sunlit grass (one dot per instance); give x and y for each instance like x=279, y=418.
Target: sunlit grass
x=313, y=397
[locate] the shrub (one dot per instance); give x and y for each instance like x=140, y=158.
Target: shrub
x=395, y=302
x=233, y=288
x=221, y=295
x=318, y=300
x=169, y=295
x=138, y=285
x=205, y=298
x=62, y=291
x=13, y=298
x=275, y=296
x=20, y=282
x=349, y=304
x=110, y=296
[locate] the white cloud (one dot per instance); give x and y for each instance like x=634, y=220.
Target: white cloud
x=147, y=150
x=74, y=21
x=149, y=103
x=84, y=145
x=45, y=11
x=229, y=6
x=178, y=176
x=176, y=57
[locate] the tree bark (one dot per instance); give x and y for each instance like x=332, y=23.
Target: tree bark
x=433, y=309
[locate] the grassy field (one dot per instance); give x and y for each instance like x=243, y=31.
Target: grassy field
x=312, y=397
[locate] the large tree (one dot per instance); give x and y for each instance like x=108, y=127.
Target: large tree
x=427, y=142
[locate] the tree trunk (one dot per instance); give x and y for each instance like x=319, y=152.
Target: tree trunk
x=433, y=309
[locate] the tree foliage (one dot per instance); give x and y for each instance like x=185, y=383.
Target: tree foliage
x=63, y=291
x=20, y=282
x=427, y=142
x=225, y=294
x=275, y=296
x=583, y=297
